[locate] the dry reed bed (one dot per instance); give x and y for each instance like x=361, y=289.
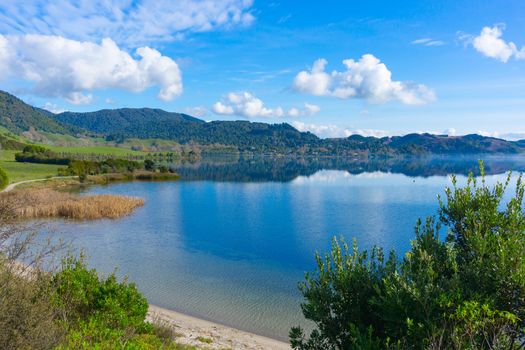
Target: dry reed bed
x=46, y=203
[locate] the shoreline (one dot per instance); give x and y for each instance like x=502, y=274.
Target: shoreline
x=190, y=329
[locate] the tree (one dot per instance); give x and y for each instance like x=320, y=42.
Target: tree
x=149, y=165
x=464, y=292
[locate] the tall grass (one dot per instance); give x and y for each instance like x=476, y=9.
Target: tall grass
x=47, y=203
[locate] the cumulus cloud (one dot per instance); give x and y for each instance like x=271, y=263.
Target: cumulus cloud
x=311, y=109
x=366, y=78
x=511, y=136
x=198, y=111
x=450, y=132
x=53, y=108
x=428, y=42
x=71, y=69
x=125, y=21
x=332, y=130
x=490, y=44
x=247, y=105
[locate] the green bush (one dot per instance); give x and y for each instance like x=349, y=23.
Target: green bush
x=40, y=155
x=83, y=295
x=466, y=292
x=4, y=179
x=27, y=315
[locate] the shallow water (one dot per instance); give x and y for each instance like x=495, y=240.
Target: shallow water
x=232, y=248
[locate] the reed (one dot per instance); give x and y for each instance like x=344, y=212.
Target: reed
x=47, y=203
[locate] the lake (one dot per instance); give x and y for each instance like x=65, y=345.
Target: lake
x=232, y=239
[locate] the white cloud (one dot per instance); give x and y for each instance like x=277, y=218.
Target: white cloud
x=247, y=105
x=428, y=42
x=109, y=101
x=332, y=130
x=72, y=69
x=367, y=78
x=125, y=21
x=311, y=109
x=490, y=44
x=78, y=98
x=294, y=112
x=450, y=132
x=53, y=108
x=511, y=136
x=198, y=111
x=220, y=108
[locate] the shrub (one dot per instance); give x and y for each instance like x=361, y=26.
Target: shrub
x=27, y=316
x=4, y=179
x=73, y=308
x=39, y=154
x=82, y=295
x=466, y=292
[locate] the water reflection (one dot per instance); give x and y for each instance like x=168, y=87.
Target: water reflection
x=232, y=246
x=261, y=169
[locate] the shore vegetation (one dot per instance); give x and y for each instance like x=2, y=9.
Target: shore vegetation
x=66, y=306
x=466, y=291
x=47, y=203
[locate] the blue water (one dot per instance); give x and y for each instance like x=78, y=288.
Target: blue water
x=233, y=250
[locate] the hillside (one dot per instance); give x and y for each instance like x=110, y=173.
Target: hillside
x=119, y=125
x=17, y=117
x=127, y=122
x=144, y=123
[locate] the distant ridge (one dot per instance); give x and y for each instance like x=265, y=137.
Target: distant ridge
x=148, y=123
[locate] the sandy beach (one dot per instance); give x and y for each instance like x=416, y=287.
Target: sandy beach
x=190, y=329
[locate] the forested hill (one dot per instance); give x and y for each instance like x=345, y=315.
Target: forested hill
x=146, y=123
x=119, y=124
x=17, y=116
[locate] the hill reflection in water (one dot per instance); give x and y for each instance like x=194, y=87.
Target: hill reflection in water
x=262, y=169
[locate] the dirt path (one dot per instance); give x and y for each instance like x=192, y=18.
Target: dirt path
x=11, y=186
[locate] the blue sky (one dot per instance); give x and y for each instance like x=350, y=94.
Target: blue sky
x=452, y=67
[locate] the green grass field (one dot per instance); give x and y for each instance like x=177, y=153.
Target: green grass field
x=25, y=171
x=28, y=171
x=114, y=151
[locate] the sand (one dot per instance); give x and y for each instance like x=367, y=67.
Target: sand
x=189, y=329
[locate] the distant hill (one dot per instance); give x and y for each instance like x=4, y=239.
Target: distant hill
x=119, y=124
x=131, y=122
x=147, y=123
x=430, y=144
x=17, y=116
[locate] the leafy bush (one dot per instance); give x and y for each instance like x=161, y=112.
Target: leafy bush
x=83, y=168
x=4, y=179
x=41, y=155
x=27, y=316
x=82, y=295
x=68, y=308
x=467, y=292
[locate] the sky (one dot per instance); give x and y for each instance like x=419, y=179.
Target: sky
x=335, y=68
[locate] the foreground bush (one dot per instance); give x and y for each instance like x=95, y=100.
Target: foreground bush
x=74, y=309
x=67, y=307
x=467, y=292
x=102, y=312
x=27, y=315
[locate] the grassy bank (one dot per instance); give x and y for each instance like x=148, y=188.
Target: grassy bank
x=46, y=203
x=18, y=171
x=103, y=150
x=137, y=175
